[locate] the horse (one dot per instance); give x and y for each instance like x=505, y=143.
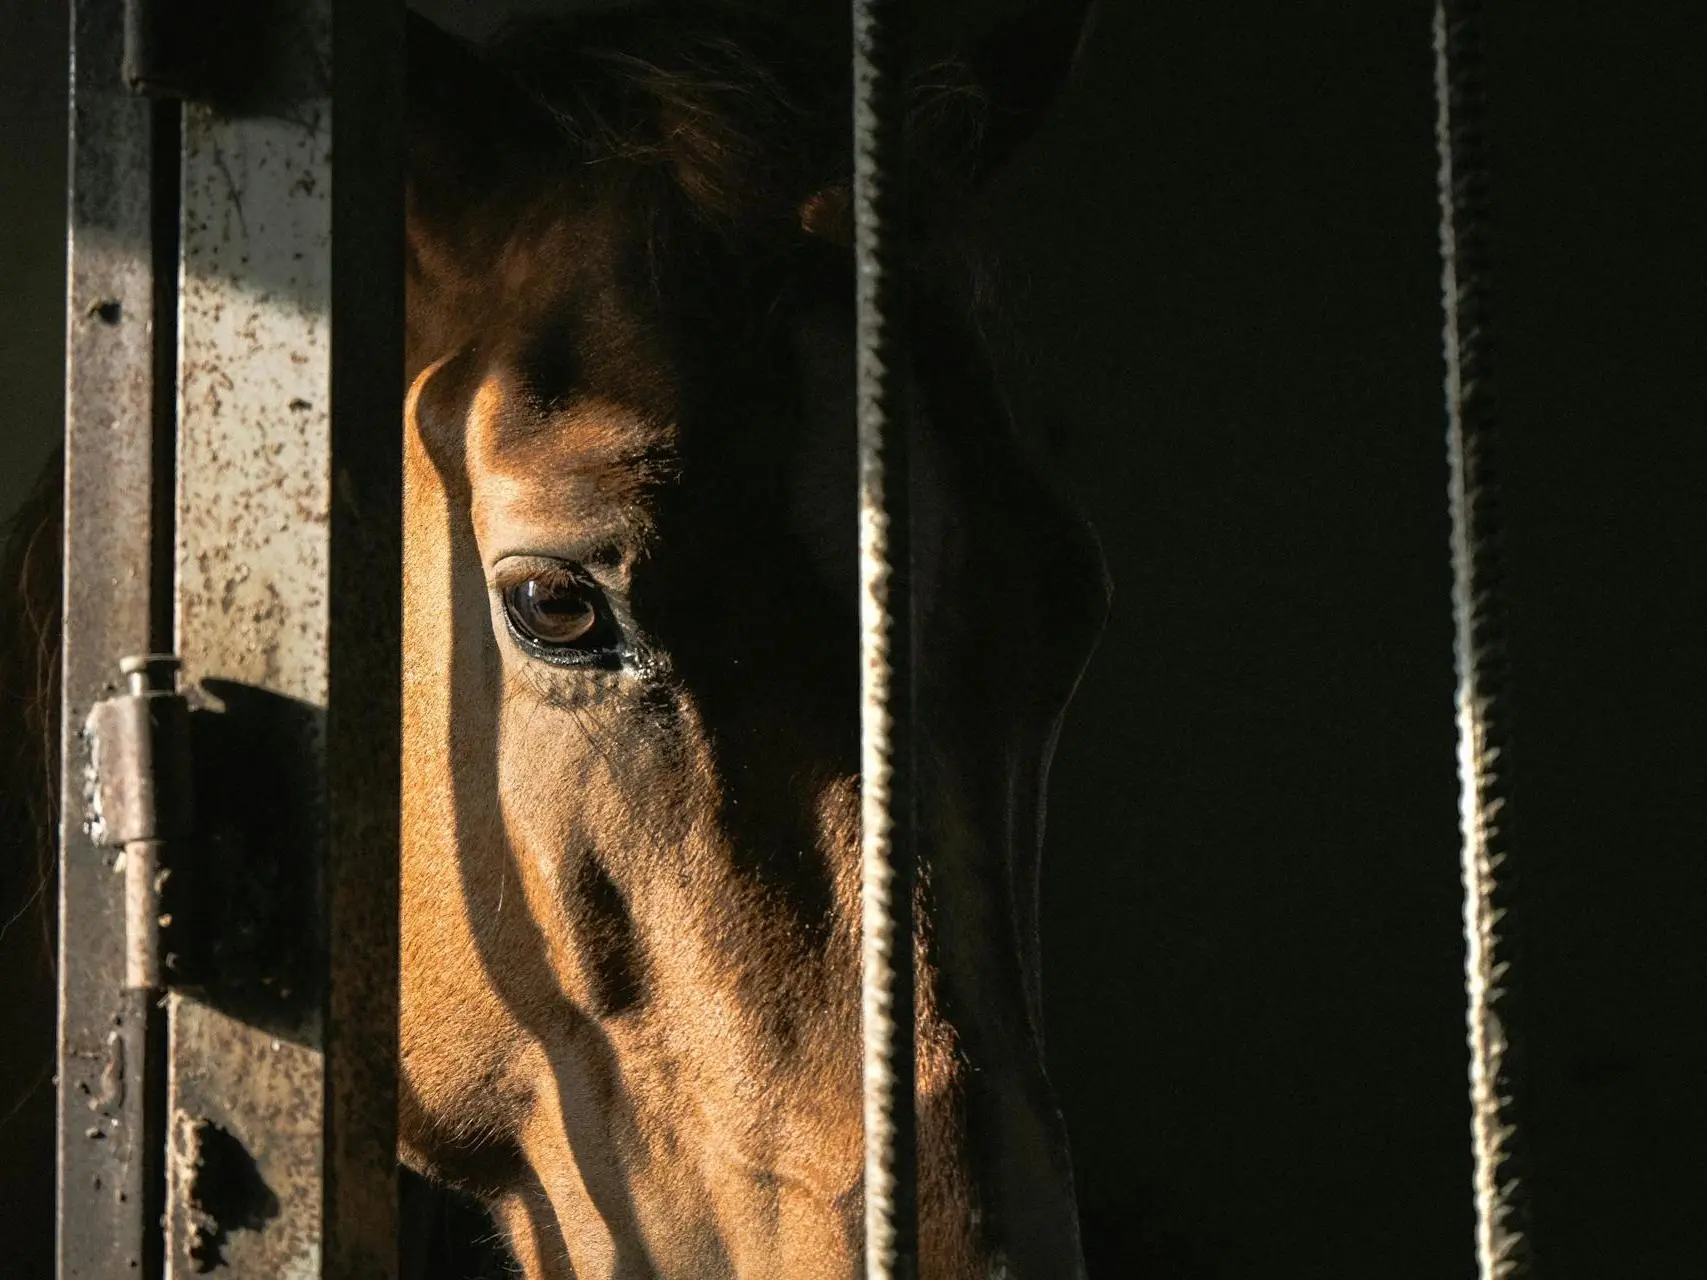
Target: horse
x=630, y=854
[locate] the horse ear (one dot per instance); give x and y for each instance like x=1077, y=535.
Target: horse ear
x=969, y=113
x=1020, y=71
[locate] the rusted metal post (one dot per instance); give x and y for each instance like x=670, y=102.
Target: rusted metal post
x=228, y=1043
x=889, y=850
x=283, y=1076
x=254, y=508
x=120, y=283
x=1503, y=1249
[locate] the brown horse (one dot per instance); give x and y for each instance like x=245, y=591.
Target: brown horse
x=630, y=863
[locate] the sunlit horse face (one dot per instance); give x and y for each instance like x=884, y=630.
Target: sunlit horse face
x=631, y=882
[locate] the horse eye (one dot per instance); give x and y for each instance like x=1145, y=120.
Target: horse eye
x=553, y=612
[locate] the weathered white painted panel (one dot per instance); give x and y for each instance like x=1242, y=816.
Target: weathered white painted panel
x=254, y=480
x=254, y=495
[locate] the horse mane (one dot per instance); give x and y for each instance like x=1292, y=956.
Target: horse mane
x=742, y=135
x=749, y=119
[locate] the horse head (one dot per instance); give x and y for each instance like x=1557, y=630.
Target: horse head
x=631, y=760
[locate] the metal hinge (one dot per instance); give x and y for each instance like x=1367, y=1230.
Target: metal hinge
x=141, y=799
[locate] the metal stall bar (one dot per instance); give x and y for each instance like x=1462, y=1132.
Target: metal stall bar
x=888, y=842
x=365, y=668
x=283, y=1049
x=1503, y=1248
x=273, y=930
x=118, y=381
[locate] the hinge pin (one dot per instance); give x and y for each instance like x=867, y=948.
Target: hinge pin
x=141, y=752
x=151, y=672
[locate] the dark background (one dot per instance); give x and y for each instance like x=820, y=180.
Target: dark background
x=1222, y=294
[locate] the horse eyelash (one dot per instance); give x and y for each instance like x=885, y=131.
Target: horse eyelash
x=540, y=571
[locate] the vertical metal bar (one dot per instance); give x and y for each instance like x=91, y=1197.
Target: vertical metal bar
x=888, y=852
x=108, y=1174
x=283, y=1102
x=254, y=505
x=1502, y=1244
x=365, y=677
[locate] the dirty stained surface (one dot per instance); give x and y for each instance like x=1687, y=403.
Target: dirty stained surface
x=254, y=495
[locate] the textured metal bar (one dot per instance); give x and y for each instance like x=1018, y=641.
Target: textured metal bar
x=254, y=505
x=888, y=853
x=1503, y=1249
x=107, y=1169
x=288, y=582
x=365, y=677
